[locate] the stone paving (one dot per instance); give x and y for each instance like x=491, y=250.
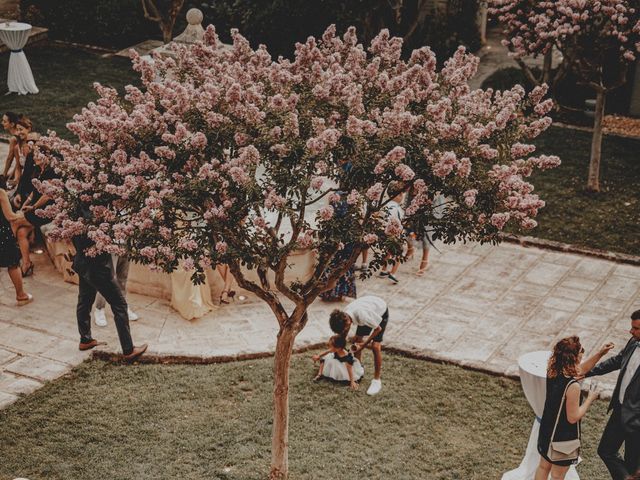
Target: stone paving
x=480, y=306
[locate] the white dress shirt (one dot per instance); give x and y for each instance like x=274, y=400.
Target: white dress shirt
x=632, y=366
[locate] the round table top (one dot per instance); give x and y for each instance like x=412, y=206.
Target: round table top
x=535, y=363
x=14, y=26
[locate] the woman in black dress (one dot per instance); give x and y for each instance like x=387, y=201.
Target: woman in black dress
x=9, y=252
x=564, y=366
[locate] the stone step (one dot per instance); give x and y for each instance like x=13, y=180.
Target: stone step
x=37, y=35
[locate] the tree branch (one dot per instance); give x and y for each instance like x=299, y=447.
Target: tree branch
x=266, y=295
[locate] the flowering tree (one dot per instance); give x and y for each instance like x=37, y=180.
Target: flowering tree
x=598, y=40
x=220, y=155
x=520, y=19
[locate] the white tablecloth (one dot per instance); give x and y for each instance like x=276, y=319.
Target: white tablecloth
x=20, y=79
x=533, y=376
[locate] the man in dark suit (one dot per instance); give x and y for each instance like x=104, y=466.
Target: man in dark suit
x=96, y=275
x=624, y=424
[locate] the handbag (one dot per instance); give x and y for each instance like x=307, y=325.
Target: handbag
x=566, y=450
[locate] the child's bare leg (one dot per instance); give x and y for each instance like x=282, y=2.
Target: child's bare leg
x=376, y=347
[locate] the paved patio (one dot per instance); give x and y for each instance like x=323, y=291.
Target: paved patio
x=481, y=306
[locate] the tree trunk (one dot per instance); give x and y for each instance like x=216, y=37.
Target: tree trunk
x=547, y=66
x=167, y=31
x=280, y=433
x=593, y=183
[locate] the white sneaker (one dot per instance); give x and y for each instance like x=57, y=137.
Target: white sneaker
x=375, y=387
x=100, y=317
x=133, y=316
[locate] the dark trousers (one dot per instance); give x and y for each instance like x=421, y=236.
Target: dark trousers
x=98, y=277
x=612, y=439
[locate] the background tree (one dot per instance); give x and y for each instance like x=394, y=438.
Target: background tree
x=598, y=39
x=222, y=154
x=164, y=13
x=519, y=19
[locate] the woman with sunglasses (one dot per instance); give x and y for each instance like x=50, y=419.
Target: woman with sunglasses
x=562, y=409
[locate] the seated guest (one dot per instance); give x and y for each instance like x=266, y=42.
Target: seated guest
x=9, y=121
x=339, y=364
x=9, y=252
x=559, y=437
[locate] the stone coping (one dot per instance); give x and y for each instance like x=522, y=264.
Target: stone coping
x=544, y=244
x=160, y=359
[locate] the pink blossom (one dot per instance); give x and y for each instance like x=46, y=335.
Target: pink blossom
x=470, y=197
x=370, y=238
x=326, y=212
x=393, y=227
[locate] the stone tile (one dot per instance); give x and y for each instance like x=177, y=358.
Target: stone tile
x=26, y=340
x=560, y=303
x=39, y=368
x=539, y=290
x=580, y=283
x=496, y=273
x=470, y=348
x=516, y=305
x=483, y=289
x=458, y=258
x=17, y=385
x=548, y=320
x=7, y=399
x=6, y=356
x=631, y=271
x=522, y=342
x=579, y=295
x=594, y=318
x=496, y=328
x=514, y=256
x=66, y=351
x=593, y=268
x=546, y=273
x=621, y=288
x=601, y=301
x=561, y=258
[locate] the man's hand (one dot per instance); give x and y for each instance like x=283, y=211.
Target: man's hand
x=357, y=347
x=315, y=358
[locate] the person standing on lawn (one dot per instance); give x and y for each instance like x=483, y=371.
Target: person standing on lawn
x=370, y=314
x=624, y=424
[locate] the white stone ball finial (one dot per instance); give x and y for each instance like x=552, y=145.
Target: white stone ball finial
x=194, y=16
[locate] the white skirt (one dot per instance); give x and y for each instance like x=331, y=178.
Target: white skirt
x=337, y=370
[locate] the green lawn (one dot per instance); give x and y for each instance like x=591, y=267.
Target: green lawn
x=192, y=422
x=65, y=79
x=609, y=220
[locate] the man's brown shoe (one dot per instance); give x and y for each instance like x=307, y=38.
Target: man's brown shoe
x=88, y=345
x=135, y=353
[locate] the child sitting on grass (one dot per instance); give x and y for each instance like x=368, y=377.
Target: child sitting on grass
x=340, y=365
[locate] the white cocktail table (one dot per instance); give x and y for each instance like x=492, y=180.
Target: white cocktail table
x=19, y=78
